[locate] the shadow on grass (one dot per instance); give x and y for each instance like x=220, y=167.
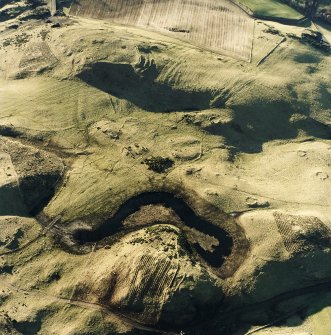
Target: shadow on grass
x=250, y=129
x=11, y=202
x=253, y=124
x=121, y=81
x=11, y=13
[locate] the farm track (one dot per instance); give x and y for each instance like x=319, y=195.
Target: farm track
x=211, y=24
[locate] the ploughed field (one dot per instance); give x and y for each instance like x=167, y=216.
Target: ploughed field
x=217, y=25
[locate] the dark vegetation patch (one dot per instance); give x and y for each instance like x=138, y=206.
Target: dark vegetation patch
x=293, y=36
x=54, y=276
x=179, y=30
x=17, y=41
x=81, y=292
x=158, y=164
x=9, y=131
x=147, y=49
x=315, y=39
x=8, y=269
x=14, y=243
x=13, y=26
x=26, y=327
x=273, y=31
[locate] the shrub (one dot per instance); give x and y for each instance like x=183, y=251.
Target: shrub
x=158, y=164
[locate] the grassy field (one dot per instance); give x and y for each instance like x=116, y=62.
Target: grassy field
x=271, y=8
x=252, y=140
x=321, y=322
x=213, y=24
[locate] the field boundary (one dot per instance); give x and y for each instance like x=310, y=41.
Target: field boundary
x=263, y=59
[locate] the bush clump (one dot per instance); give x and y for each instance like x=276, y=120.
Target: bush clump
x=158, y=164
x=273, y=31
x=315, y=39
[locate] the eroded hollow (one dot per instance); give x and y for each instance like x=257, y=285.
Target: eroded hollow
x=187, y=215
